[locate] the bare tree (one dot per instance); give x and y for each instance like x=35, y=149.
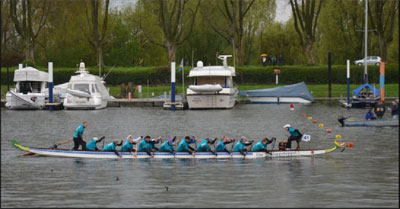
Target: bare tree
x=29, y=18
x=382, y=19
x=305, y=22
x=234, y=11
x=171, y=21
x=96, y=37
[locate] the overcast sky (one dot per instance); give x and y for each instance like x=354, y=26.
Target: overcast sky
x=283, y=10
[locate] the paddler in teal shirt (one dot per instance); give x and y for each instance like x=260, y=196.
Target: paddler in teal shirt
x=128, y=145
x=184, y=145
x=205, y=144
x=168, y=146
x=78, y=140
x=221, y=147
x=294, y=135
x=241, y=146
x=112, y=147
x=261, y=146
x=92, y=145
x=147, y=145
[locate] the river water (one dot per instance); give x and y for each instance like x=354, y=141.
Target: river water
x=366, y=175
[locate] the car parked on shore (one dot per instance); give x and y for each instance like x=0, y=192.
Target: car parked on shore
x=371, y=60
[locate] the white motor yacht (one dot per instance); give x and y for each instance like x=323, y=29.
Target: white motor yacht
x=29, y=91
x=85, y=91
x=213, y=86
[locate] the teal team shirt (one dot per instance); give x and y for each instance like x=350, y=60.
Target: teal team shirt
x=203, y=147
x=220, y=147
x=91, y=145
x=183, y=146
x=78, y=130
x=127, y=146
x=166, y=147
x=110, y=147
x=238, y=147
x=145, y=145
x=293, y=132
x=259, y=146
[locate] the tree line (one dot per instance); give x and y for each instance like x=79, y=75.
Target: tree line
x=155, y=32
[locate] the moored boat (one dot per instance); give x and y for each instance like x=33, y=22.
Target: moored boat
x=213, y=86
x=369, y=123
x=51, y=152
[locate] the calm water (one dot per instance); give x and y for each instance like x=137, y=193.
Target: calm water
x=364, y=176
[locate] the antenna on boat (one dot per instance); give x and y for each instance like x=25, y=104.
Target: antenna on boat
x=224, y=58
x=105, y=76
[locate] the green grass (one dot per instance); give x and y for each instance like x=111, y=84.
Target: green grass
x=317, y=90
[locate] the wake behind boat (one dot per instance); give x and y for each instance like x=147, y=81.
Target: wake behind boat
x=52, y=152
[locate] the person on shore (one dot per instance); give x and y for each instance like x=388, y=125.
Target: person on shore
x=380, y=109
x=370, y=115
x=221, y=147
x=184, y=146
x=280, y=59
x=78, y=141
x=128, y=144
x=147, y=145
x=168, y=146
x=294, y=135
x=261, y=146
x=394, y=110
x=241, y=145
x=92, y=145
x=205, y=145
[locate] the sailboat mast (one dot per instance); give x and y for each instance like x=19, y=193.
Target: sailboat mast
x=365, y=43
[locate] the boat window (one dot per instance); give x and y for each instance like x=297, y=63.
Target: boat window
x=211, y=80
x=97, y=88
x=93, y=90
x=82, y=87
x=29, y=86
x=69, y=86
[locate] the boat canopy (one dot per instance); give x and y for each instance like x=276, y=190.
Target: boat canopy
x=295, y=90
x=357, y=91
x=30, y=74
x=212, y=71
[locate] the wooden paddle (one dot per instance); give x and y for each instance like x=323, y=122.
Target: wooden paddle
x=64, y=142
x=54, y=146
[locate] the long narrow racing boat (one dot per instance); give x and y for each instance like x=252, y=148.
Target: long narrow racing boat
x=369, y=123
x=163, y=155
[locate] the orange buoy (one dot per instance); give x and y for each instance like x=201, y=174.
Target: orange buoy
x=328, y=131
x=304, y=115
x=350, y=144
x=314, y=121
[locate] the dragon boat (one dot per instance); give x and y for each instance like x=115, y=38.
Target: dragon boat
x=52, y=152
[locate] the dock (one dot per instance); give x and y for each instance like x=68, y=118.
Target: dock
x=151, y=102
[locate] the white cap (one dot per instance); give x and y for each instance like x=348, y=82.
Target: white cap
x=95, y=138
x=286, y=126
x=243, y=138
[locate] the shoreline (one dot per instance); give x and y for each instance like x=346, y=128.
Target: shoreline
x=151, y=102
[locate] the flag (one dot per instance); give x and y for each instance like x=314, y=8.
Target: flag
x=181, y=66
